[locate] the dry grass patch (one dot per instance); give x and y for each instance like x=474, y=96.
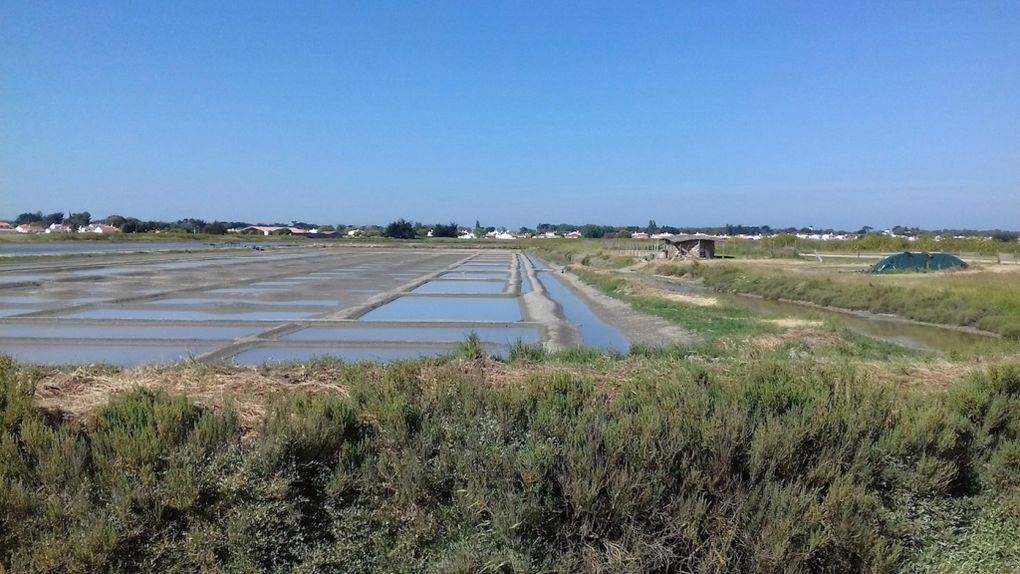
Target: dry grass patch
x=813, y=338
x=74, y=395
x=646, y=290
x=791, y=323
x=931, y=376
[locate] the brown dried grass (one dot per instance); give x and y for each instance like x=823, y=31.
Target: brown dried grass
x=646, y=290
x=74, y=395
x=932, y=376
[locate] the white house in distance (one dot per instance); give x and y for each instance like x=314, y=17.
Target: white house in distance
x=58, y=228
x=502, y=234
x=98, y=228
x=270, y=229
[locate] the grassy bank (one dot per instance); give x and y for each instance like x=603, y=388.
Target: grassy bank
x=655, y=463
x=711, y=322
x=983, y=299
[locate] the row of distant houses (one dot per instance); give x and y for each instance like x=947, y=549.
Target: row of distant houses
x=7, y=227
x=266, y=230
x=499, y=234
x=811, y=236
x=503, y=234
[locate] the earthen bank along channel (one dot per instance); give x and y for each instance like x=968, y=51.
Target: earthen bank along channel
x=294, y=304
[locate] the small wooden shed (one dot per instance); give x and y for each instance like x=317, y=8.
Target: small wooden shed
x=688, y=246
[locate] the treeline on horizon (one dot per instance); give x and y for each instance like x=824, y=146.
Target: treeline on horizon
x=600, y=231
x=411, y=229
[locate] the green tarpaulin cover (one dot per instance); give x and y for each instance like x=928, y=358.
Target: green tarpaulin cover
x=923, y=261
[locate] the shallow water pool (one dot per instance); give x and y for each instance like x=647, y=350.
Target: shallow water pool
x=260, y=355
x=126, y=355
x=188, y=315
x=414, y=334
x=447, y=309
x=461, y=287
x=75, y=331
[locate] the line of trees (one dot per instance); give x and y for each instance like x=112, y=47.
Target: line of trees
x=610, y=231
x=404, y=229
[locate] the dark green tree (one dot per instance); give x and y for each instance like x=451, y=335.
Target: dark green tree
x=28, y=218
x=116, y=220
x=215, y=228
x=76, y=220
x=590, y=231
x=441, y=230
x=400, y=229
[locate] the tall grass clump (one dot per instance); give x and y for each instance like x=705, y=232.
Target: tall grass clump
x=761, y=467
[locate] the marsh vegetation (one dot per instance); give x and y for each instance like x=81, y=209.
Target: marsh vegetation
x=662, y=461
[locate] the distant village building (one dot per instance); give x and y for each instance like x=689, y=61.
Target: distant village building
x=500, y=234
x=6, y=227
x=688, y=246
x=29, y=228
x=98, y=228
x=272, y=229
x=58, y=228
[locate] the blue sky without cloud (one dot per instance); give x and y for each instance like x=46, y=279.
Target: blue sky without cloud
x=834, y=114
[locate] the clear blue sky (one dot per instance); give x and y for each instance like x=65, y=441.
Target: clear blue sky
x=692, y=113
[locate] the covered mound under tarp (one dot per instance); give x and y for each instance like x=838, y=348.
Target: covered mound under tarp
x=922, y=261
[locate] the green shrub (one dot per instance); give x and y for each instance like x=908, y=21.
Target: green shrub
x=15, y=395
x=471, y=347
x=767, y=466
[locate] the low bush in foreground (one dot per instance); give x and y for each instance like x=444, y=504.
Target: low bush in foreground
x=766, y=468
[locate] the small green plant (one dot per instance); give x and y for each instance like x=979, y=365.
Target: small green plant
x=471, y=347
